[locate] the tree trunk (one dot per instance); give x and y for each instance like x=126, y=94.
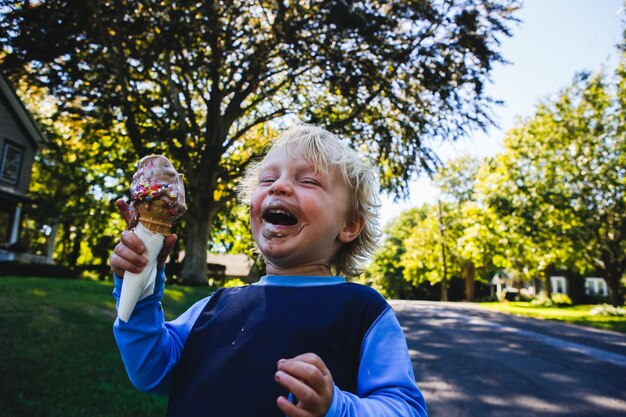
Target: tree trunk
x=75, y=252
x=194, y=270
x=470, y=275
x=613, y=277
x=54, y=231
x=65, y=244
x=547, y=274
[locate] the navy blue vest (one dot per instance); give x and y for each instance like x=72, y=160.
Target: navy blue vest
x=228, y=363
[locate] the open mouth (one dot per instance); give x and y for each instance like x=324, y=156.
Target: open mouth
x=280, y=217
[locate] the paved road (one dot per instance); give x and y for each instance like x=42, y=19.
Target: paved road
x=474, y=363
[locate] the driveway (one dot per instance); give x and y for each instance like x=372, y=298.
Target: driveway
x=471, y=362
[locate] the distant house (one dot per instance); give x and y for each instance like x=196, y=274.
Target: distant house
x=579, y=289
x=593, y=286
x=225, y=266
x=236, y=265
x=20, y=138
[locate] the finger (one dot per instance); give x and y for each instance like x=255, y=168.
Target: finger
x=127, y=255
x=123, y=209
x=168, y=245
x=290, y=409
x=314, y=360
x=307, y=391
x=307, y=397
x=132, y=241
x=128, y=212
x=309, y=368
x=123, y=259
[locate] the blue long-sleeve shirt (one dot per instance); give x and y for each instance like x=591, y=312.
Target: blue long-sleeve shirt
x=151, y=348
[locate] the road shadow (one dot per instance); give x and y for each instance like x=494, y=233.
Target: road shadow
x=470, y=363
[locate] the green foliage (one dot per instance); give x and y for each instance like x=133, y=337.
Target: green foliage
x=385, y=272
x=236, y=282
x=208, y=82
x=71, y=187
x=555, y=198
x=561, y=181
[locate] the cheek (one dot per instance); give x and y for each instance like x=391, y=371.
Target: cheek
x=255, y=217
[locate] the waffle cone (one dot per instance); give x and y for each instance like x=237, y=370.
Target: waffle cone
x=155, y=216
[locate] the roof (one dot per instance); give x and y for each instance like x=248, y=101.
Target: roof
x=237, y=265
x=23, y=115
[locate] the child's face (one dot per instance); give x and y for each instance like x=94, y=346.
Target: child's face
x=299, y=217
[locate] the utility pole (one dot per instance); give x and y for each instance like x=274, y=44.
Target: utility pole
x=444, y=278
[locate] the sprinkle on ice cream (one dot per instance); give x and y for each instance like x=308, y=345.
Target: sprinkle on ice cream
x=156, y=178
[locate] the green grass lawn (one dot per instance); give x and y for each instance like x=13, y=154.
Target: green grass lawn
x=578, y=314
x=58, y=354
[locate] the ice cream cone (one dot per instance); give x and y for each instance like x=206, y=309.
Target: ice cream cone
x=156, y=216
x=137, y=286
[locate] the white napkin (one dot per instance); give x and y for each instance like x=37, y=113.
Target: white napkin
x=136, y=287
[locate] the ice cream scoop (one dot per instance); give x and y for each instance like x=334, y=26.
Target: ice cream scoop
x=156, y=183
x=158, y=197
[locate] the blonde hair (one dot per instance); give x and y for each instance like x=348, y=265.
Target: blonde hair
x=325, y=152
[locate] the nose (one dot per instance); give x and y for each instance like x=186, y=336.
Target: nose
x=281, y=186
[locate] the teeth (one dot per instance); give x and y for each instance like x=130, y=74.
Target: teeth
x=278, y=211
x=278, y=216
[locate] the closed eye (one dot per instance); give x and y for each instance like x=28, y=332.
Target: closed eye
x=310, y=181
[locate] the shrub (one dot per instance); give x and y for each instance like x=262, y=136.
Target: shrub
x=557, y=299
x=608, y=310
x=561, y=299
x=20, y=269
x=235, y=282
x=542, y=300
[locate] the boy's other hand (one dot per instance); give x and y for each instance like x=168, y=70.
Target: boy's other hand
x=309, y=380
x=127, y=255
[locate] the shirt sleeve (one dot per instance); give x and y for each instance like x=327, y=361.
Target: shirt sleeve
x=386, y=384
x=149, y=346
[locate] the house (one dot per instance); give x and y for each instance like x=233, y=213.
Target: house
x=224, y=266
x=20, y=137
x=580, y=289
x=236, y=265
x=594, y=286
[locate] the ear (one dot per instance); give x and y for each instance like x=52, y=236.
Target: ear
x=351, y=230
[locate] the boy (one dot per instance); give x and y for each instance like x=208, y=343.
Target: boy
x=301, y=341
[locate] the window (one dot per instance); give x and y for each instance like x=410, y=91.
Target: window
x=595, y=286
x=11, y=163
x=559, y=285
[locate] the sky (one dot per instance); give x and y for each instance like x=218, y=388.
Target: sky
x=555, y=40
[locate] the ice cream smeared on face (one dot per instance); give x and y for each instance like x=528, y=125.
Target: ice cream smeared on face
x=156, y=179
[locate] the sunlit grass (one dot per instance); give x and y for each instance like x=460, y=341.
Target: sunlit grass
x=58, y=354
x=578, y=314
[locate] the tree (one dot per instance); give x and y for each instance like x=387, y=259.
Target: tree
x=480, y=238
x=562, y=179
x=430, y=254
x=456, y=182
x=201, y=80
x=67, y=173
x=385, y=271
